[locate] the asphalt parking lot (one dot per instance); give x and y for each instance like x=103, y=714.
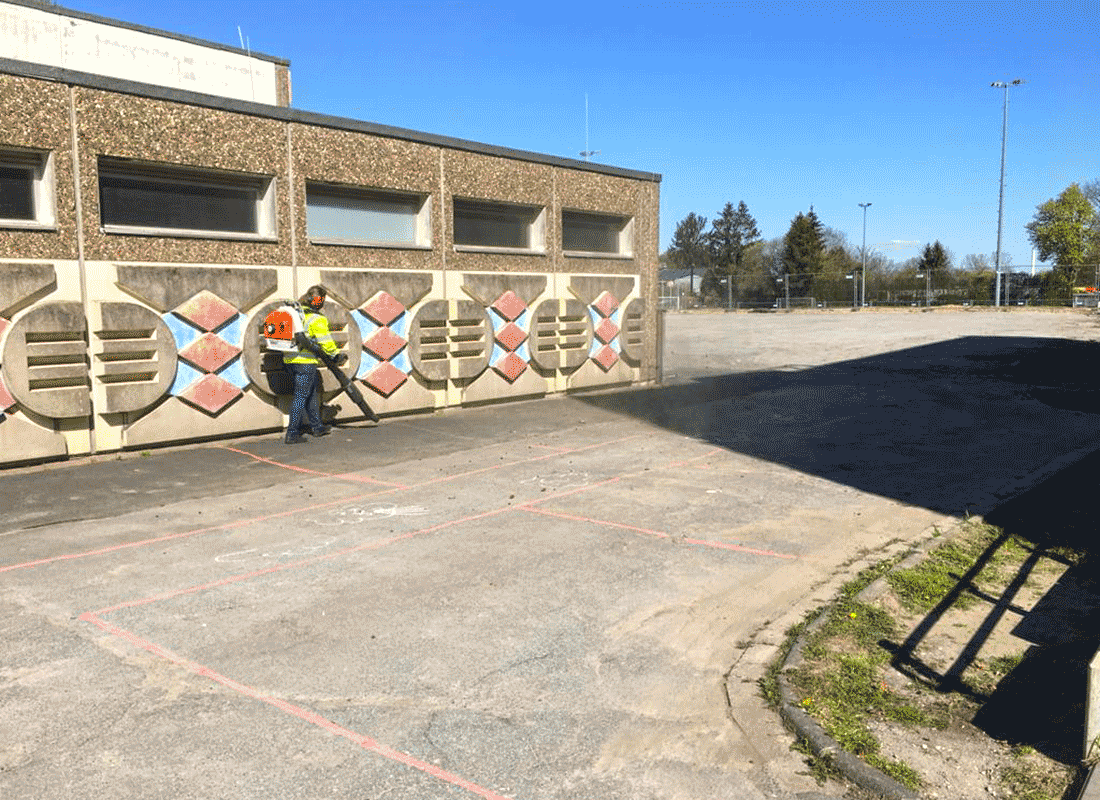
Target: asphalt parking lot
x=566, y=598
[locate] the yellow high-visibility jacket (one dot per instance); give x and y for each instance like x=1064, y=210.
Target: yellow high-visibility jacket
x=316, y=329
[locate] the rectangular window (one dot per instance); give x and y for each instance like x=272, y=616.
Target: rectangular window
x=584, y=233
x=168, y=200
x=479, y=224
x=366, y=217
x=26, y=189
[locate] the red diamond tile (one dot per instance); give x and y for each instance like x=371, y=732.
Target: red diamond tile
x=606, y=304
x=211, y=394
x=511, y=366
x=207, y=311
x=384, y=308
x=6, y=400
x=606, y=358
x=511, y=336
x=385, y=378
x=606, y=331
x=209, y=352
x=509, y=305
x=384, y=344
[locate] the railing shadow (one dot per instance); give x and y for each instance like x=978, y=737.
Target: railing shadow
x=1040, y=703
x=957, y=426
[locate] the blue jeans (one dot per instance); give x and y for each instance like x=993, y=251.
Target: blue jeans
x=307, y=398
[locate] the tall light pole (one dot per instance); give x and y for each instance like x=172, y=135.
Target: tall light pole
x=1001, y=204
x=863, y=275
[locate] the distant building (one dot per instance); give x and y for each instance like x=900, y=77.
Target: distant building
x=158, y=195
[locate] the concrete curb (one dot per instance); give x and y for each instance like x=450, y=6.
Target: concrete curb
x=823, y=745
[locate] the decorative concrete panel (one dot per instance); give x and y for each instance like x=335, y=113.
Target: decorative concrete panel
x=135, y=359
x=20, y=441
x=511, y=336
x=509, y=294
x=450, y=339
x=385, y=378
x=606, y=331
x=22, y=285
x=384, y=344
x=355, y=289
x=561, y=334
x=211, y=394
x=495, y=385
x=384, y=308
x=178, y=420
x=589, y=288
x=189, y=290
x=206, y=311
x=209, y=352
x=633, y=335
x=6, y=399
x=46, y=361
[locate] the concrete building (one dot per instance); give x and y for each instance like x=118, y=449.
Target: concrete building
x=147, y=227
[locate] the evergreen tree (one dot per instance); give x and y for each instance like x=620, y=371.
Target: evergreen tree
x=803, y=252
x=934, y=263
x=732, y=233
x=688, y=249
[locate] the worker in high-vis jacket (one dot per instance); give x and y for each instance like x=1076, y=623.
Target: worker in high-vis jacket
x=302, y=363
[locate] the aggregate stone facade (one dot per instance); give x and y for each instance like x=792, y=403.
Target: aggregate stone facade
x=113, y=340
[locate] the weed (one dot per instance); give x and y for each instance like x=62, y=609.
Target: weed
x=822, y=767
x=921, y=588
x=902, y=773
x=1028, y=778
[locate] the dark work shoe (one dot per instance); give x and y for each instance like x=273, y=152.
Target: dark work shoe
x=295, y=439
x=324, y=430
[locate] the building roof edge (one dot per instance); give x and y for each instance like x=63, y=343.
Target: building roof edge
x=87, y=80
x=51, y=8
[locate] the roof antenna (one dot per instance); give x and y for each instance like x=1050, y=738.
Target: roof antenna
x=246, y=45
x=586, y=152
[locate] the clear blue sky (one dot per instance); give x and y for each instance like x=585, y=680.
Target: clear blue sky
x=782, y=105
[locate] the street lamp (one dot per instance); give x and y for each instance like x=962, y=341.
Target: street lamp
x=863, y=300
x=1001, y=204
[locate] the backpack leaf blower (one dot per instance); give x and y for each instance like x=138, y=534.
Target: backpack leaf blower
x=283, y=330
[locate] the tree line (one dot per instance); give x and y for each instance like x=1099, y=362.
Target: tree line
x=812, y=263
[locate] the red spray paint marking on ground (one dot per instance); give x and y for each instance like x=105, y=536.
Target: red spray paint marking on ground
x=313, y=718
x=649, y=532
x=197, y=531
x=346, y=476
x=240, y=523
x=300, y=563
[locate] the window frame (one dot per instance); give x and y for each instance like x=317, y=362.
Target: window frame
x=535, y=225
x=422, y=219
x=40, y=163
x=263, y=186
x=625, y=234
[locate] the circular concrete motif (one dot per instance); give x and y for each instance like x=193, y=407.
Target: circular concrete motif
x=265, y=367
x=46, y=361
x=631, y=338
x=137, y=357
x=561, y=334
x=450, y=339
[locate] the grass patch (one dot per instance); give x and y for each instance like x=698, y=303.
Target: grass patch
x=1031, y=778
x=841, y=679
x=921, y=588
